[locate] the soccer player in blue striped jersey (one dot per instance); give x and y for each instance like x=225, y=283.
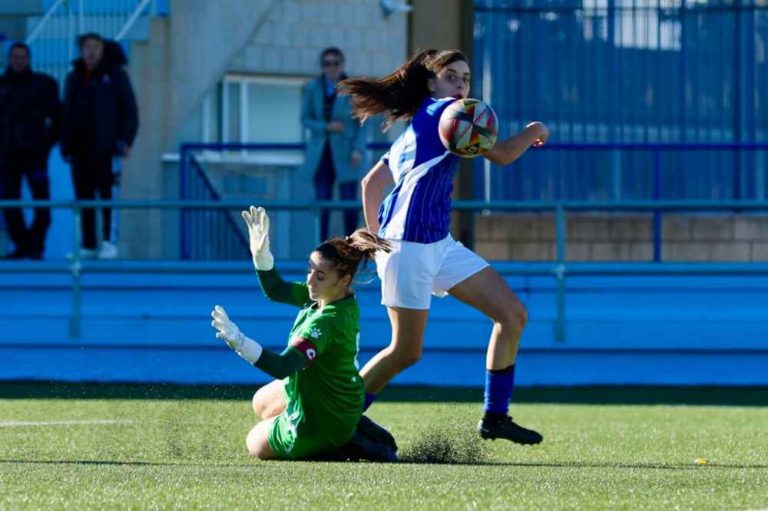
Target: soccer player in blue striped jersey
x=415, y=219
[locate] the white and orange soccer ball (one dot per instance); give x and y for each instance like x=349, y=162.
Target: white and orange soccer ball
x=468, y=127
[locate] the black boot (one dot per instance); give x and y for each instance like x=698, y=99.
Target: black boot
x=502, y=426
x=377, y=433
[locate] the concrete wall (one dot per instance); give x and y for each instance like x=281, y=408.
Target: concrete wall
x=189, y=52
x=295, y=31
x=185, y=56
x=600, y=237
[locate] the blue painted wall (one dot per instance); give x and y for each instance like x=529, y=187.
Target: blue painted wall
x=620, y=330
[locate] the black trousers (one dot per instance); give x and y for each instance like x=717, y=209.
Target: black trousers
x=92, y=176
x=13, y=169
x=325, y=178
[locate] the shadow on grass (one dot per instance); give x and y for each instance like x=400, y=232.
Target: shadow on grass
x=605, y=395
x=487, y=463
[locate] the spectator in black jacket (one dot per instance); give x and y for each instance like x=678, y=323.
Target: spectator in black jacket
x=30, y=118
x=100, y=123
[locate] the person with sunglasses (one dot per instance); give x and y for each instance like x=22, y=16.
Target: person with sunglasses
x=335, y=142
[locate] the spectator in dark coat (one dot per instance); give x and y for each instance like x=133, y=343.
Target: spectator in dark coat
x=30, y=118
x=100, y=123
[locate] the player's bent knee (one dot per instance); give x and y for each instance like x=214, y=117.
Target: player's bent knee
x=409, y=358
x=259, y=452
x=256, y=443
x=259, y=404
x=513, y=318
x=522, y=316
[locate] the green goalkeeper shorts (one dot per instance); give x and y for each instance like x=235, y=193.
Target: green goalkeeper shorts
x=287, y=443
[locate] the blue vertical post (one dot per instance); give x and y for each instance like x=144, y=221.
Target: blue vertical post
x=657, y=225
x=76, y=270
x=682, y=72
x=560, y=240
x=182, y=196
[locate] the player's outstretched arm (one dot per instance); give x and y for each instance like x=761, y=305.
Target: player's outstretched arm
x=276, y=289
x=373, y=186
x=257, y=221
x=227, y=331
x=508, y=150
x=276, y=365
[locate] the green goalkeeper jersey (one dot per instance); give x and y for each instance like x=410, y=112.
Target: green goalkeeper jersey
x=325, y=398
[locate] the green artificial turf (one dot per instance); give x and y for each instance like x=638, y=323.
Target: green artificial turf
x=188, y=453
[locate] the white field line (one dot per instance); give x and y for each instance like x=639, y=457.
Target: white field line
x=86, y=422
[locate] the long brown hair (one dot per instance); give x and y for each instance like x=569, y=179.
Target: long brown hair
x=401, y=92
x=346, y=254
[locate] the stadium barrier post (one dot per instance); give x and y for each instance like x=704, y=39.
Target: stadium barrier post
x=657, y=213
x=182, y=196
x=76, y=269
x=560, y=234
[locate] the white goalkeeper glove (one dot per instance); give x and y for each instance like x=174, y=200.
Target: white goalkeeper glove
x=228, y=332
x=258, y=231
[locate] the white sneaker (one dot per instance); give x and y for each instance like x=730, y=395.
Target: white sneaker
x=108, y=250
x=83, y=253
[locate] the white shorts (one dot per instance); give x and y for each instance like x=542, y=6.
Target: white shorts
x=412, y=272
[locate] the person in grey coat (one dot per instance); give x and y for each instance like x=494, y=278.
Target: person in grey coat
x=336, y=142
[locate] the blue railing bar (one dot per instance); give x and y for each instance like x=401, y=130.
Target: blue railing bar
x=204, y=177
x=212, y=191
x=559, y=271
x=292, y=267
x=245, y=146
x=43, y=22
x=468, y=205
x=698, y=8
x=657, y=225
x=656, y=146
x=641, y=146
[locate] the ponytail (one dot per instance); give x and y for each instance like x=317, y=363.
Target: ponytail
x=400, y=93
x=346, y=254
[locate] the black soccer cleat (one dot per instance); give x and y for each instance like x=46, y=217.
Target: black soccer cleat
x=503, y=427
x=364, y=448
x=369, y=429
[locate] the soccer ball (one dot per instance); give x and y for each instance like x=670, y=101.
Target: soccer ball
x=468, y=127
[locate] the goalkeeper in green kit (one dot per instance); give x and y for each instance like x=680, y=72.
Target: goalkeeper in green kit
x=313, y=409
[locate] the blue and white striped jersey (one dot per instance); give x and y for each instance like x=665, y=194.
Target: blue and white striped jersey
x=419, y=207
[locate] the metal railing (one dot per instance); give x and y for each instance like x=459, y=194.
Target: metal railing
x=195, y=183
x=44, y=20
x=52, y=40
x=134, y=17
x=627, y=70
x=560, y=269
x=220, y=234
x=748, y=181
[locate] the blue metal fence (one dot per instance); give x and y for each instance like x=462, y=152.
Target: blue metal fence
x=211, y=234
x=614, y=174
x=631, y=171
x=206, y=234
x=628, y=71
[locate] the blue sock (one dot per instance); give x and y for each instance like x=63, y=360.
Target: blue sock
x=369, y=399
x=498, y=390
